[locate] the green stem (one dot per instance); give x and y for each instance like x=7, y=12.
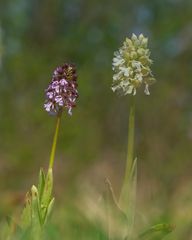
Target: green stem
x=131, y=135
x=128, y=190
x=130, y=150
x=52, y=156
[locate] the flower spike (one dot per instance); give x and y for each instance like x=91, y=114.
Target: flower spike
x=62, y=91
x=131, y=66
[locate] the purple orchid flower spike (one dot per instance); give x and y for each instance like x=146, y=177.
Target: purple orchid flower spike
x=62, y=91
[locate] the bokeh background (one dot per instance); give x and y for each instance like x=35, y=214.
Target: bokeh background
x=35, y=37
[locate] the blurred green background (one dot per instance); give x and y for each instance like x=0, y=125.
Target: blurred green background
x=35, y=37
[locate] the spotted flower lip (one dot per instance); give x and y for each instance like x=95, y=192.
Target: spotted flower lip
x=62, y=91
x=131, y=66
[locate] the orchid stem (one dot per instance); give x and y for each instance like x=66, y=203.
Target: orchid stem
x=130, y=150
x=128, y=190
x=52, y=156
x=131, y=135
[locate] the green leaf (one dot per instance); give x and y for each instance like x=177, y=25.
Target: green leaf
x=128, y=197
x=38, y=203
x=47, y=194
x=157, y=232
x=30, y=219
x=34, y=206
x=35, y=214
x=117, y=220
x=41, y=183
x=47, y=191
x=27, y=211
x=48, y=210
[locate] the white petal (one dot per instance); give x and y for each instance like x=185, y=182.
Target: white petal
x=117, y=62
x=125, y=71
x=134, y=91
x=146, y=91
x=134, y=37
x=70, y=111
x=129, y=89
